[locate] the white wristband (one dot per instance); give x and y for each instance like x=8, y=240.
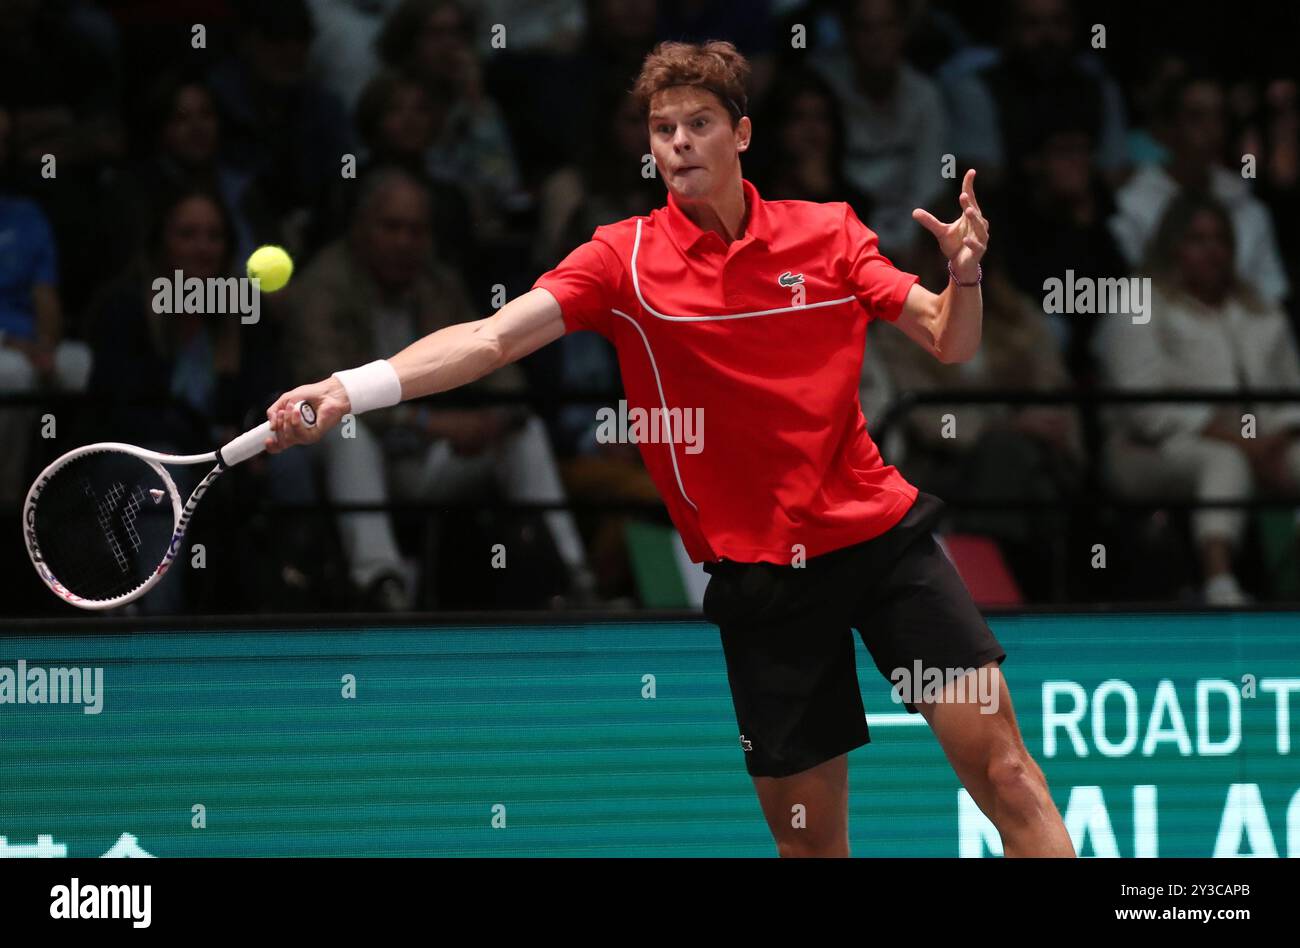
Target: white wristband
x=373, y=385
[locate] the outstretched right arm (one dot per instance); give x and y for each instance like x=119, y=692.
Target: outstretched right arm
x=453, y=356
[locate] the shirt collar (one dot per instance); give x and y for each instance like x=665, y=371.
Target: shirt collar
x=688, y=234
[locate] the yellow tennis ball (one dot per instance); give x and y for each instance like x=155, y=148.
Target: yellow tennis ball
x=272, y=266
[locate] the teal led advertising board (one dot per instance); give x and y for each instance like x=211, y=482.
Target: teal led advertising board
x=1160, y=735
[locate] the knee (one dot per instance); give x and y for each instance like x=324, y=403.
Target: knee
x=16, y=373
x=1015, y=779
x=1226, y=473
x=73, y=362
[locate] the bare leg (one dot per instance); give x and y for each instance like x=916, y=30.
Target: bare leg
x=821, y=828
x=993, y=764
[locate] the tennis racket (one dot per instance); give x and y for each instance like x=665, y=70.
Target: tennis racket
x=104, y=522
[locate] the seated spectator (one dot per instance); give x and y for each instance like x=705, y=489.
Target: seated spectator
x=1060, y=223
x=1000, y=104
x=1279, y=172
x=433, y=41
x=182, y=135
x=1148, y=93
x=279, y=126
x=897, y=130
x=1208, y=330
x=804, y=157
x=1195, y=118
x=606, y=184
x=394, y=121
x=67, y=165
x=33, y=353
x=368, y=296
x=527, y=84
x=181, y=382
x=343, y=54
x=988, y=452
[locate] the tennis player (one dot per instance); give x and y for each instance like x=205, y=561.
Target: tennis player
x=755, y=312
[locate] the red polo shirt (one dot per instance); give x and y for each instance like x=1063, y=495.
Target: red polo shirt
x=761, y=341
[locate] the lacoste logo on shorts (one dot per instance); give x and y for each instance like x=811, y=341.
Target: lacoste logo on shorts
x=747, y=745
x=789, y=279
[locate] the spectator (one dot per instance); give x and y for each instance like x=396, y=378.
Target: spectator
x=1060, y=223
x=607, y=184
x=180, y=382
x=804, y=158
x=33, y=352
x=343, y=54
x=1208, y=330
x=1279, y=172
x=1148, y=94
x=1000, y=105
x=394, y=121
x=527, y=85
x=432, y=41
x=1196, y=121
x=69, y=50
x=992, y=453
x=179, y=379
x=279, y=127
x=183, y=135
x=897, y=131
x=368, y=296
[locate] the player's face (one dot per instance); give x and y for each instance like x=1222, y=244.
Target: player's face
x=694, y=143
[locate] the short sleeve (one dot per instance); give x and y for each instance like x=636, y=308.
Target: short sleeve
x=878, y=285
x=584, y=285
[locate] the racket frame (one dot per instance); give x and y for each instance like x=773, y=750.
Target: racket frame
x=181, y=515
x=245, y=446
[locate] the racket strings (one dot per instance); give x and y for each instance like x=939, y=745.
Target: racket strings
x=103, y=523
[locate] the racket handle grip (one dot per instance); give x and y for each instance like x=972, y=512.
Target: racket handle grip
x=252, y=443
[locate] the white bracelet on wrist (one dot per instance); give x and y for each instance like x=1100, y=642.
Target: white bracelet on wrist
x=373, y=385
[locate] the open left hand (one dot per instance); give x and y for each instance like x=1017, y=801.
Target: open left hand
x=963, y=241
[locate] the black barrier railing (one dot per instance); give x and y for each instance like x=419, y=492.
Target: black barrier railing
x=1089, y=402
x=1088, y=498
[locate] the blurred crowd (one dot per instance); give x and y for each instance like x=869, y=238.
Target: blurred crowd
x=424, y=160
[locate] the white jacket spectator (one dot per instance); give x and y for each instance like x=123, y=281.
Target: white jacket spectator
x=1207, y=330
x=1142, y=201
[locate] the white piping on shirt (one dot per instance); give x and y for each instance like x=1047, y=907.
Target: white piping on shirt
x=636, y=285
x=663, y=401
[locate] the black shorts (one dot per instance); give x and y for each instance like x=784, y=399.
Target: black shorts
x=787, y=634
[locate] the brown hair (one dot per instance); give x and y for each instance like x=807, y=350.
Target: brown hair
x=1161, y=262
x=716, y=66
x=377, y=97
x=400, y=33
